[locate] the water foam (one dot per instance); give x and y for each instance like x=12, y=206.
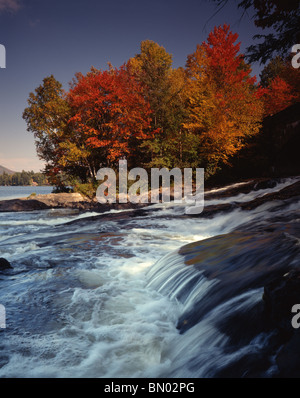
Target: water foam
x=94, y=314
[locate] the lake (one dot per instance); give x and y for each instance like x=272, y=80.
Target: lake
x=15, y=192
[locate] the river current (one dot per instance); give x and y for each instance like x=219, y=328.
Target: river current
x=115, y=294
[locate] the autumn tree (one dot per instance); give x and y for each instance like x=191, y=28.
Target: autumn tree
x=277, y=96
x=97, y=122
x=271, y=70
x=109, y=113
x=47, y=118
x=152, y=67
x=224, y=105
x=282, y=69
x=178, y=144
x=164, y=89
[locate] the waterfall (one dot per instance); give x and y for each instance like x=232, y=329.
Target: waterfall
x=218, y=284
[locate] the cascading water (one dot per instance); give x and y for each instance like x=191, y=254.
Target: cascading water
x=154, y=292
x=220, y=289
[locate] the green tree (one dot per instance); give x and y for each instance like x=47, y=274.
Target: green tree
x=47, y=118
x=152, y=68
x=271, y=70
x=164, y=89
x=24, y=178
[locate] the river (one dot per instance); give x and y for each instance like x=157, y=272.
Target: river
x=111, y=295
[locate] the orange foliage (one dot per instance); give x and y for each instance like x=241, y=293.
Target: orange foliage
x=109, y=110
x=225, y=105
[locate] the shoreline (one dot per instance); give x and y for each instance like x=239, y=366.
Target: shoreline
x=71, y=201
x=77, y=202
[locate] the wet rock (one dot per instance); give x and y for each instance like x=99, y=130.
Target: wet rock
x=251, y=365
x=288, y=358
x=56, y=200
x=212, y=210
x=43, y=202
x=71, y=203
x=4, y=264
x=62, y=212
x=265, y=184
x=288, y=192
x=241, y=187
x=279, y=297
x=21, y=205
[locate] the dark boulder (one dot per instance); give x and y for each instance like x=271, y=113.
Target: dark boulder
x=265, y=184
x=279, y=297
x=288, y=358
x=4, y=264
x=21, y=205
x=289, y=192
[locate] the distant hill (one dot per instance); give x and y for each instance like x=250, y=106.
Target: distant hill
x=5, y=170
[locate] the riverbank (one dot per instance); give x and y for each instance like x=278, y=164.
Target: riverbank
x=73, y=201
x=80, y=203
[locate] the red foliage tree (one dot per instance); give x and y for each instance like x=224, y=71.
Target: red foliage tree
x=277, y=96
x=225, y=59
x=109, y=110
x=225, y=106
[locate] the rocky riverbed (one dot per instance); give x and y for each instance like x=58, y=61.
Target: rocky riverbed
x=77, y=202
x=164, y=292
x=74, y=201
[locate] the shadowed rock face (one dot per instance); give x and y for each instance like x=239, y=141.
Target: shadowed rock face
x=279, y=297
x=4, y=264
x=21, y=205
x=288, y=192
x=240, y=261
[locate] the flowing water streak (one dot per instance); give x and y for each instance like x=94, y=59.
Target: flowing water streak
x=223, y=330
x=78, y=296
x=79, y=304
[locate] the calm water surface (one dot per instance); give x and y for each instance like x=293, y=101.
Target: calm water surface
x=22, y=191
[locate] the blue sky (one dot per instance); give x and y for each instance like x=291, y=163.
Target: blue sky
x=62, y=37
